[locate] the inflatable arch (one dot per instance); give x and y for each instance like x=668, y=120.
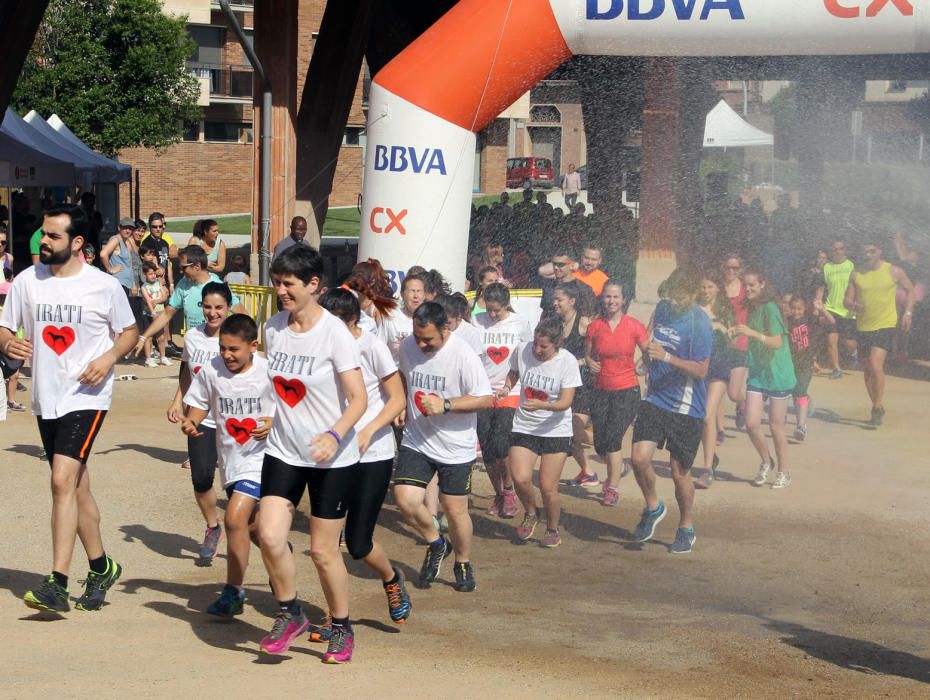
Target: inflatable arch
x=426, y=105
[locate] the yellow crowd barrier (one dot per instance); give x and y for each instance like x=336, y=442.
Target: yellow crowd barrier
x=259, y=302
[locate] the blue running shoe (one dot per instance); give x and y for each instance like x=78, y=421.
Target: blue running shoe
x=229, y=603
x=648, y=522
x=684, y=540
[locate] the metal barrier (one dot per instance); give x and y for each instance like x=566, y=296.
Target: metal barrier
x=259, y=302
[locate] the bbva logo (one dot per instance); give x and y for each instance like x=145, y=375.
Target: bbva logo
x=397, y=159
x=653, y=9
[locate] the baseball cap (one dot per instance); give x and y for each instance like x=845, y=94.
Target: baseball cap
x=127, y=222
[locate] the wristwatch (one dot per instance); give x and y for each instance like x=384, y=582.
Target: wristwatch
x=446, y=406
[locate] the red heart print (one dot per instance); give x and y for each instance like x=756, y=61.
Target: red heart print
x=418, y=400
x=498, y=355
x=58, y=339
x=197, y=369
x=291, y=390
x=241, y=431
x=531, y=393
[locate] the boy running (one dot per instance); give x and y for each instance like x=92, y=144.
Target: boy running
x=235, y=391
x=71, y=313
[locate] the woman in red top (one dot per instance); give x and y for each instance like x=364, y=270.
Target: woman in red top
x=611, y=343
x=739, y=366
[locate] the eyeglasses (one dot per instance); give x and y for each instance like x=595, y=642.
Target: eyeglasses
x=186, y=265
x=3, y=242
x=154, y=227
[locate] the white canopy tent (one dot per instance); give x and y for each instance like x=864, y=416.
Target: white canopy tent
x=24, y=166
x=724, y=128
x=107, y=171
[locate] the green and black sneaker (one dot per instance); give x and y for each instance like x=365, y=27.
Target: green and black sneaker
x=49, y=597
x=97, y=585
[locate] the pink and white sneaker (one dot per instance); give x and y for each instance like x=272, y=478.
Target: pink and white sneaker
x=341, y=645
x=284, y=631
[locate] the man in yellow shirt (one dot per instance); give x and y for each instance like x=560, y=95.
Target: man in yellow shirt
x=871, y=295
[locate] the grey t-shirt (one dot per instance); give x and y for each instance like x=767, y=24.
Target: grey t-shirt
x=284, y=245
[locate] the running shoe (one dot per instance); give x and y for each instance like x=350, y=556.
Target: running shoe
x=322, y=633
x=552, y=538
x=229, y=603
x=684, y=540
x=284, y=631
x=610, y=497
x=151, y=362
x=211, y=543
x=509, y=504
x=341, y=644
x=166, y=362
x=648, y=522
x=763, y=474
x=50, y=596
x=878, y=413
x=526, y=529
x=704, y=479
x=782, y=479
x=494, y=509
x=15, y=406
x=721, y=437
x=399, y=604
x=432, y=562
x=585, y=480
x=836, y=374
x=464, y=577
x=97, y=585
x=800, y=433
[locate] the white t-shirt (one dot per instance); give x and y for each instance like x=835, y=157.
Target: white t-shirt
x=377, y=364
x=304, y=370
x=544, y=381
x=394, y=328
x=500, y=340
x=472, y=336
x=367, y=323
x=453, y=371
x=71, y=322
x=199, y=351
x=235, y=403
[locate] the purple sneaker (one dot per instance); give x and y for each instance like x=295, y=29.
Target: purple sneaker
x=341, y=644
x=284, y=631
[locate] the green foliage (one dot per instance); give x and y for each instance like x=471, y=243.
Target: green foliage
x=114, y=71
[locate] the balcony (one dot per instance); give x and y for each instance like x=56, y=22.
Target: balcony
x=225, y=82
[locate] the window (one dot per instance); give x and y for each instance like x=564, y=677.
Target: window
x=209, y=44
x=191, y=131
x=353, y=136
x=234, y=132
x=897, y=85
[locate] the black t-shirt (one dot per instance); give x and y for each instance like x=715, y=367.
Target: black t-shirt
x=160, y=246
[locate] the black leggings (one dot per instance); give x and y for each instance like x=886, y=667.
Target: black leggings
x=364, y=505
x=202, y=453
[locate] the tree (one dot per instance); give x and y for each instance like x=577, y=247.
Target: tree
x=114, y=71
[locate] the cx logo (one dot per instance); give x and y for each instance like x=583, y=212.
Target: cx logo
x=393, y=220
x=850, y=9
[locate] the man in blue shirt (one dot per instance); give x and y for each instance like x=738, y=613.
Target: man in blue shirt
x=187, y=294
x=672, y=414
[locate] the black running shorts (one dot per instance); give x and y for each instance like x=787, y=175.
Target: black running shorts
x=72, y=435
x=329, y=489
x=541, y=445
x=679, y=434
x=416, y=469
x=494, y=426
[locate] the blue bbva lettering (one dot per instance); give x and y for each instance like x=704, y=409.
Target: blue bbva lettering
x=398, y=158
x=653, y=9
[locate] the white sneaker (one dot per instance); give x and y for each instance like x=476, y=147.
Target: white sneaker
x=763, y=474
x=782, y=479
x=151, y=362
x=166, y=362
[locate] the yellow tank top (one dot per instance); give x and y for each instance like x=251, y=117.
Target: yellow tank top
x=875, y=290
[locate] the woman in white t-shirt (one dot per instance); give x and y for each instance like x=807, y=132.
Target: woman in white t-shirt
x=386, y=400
x=315, y=369
x=502, y=331
x=201, y=345
x=542, y=425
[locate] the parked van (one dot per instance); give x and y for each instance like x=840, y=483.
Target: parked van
x=529, y=172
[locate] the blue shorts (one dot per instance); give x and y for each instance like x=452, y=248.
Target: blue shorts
x=252, y=489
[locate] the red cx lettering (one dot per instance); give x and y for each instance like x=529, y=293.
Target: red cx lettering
x=394, y=220
x=834, y=7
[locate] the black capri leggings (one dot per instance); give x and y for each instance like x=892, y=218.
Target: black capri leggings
x=202, y=453
x=612, y=412
x=364, y=503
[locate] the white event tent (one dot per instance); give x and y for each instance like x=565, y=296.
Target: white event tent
x=724, y=128
x=107, y=171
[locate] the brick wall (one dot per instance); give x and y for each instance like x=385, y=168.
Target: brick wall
x=347, y=182
x=494, y=156
x=191, y=179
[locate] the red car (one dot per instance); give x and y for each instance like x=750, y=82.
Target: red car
x=529, y=172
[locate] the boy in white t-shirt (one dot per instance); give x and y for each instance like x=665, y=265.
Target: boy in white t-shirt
x=446, y=385
x=234, y=390
x=70, y=312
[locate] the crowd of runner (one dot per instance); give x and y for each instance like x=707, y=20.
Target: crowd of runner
x=355, y=390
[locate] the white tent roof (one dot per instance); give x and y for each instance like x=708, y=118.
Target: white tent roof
x=106, y=171
x=724, y=128
x=23, y=166
x=124, y=171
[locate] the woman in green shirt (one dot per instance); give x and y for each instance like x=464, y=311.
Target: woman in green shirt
x=771, y=376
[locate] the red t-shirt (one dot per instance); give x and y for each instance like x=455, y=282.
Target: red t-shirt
x=614, y=350
x=740, y=316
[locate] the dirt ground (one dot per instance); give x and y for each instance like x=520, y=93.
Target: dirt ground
x=818, y=590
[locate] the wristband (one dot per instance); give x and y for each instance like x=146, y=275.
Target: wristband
x=335, y=436
x=143, y=337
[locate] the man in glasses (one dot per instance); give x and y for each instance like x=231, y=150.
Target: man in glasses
x=162, y=244
x=830, y=297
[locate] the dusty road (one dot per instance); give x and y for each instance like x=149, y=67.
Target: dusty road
x=818, y=590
